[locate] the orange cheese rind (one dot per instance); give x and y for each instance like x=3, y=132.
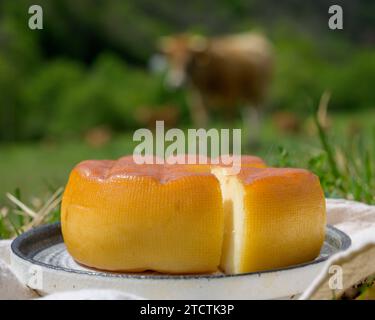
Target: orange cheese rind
x=116, y=217
x=125, y=169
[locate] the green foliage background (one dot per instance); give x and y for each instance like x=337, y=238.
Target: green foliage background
x=88, y=66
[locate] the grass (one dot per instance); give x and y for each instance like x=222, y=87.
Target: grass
x=20, y=217
x=32, y=174
x=348, y=170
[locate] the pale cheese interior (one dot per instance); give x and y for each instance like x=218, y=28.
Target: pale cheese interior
x=234, y=215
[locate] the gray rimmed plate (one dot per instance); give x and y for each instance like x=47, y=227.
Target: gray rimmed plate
x=40, y=260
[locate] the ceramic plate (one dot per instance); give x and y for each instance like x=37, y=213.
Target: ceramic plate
x=40, y=260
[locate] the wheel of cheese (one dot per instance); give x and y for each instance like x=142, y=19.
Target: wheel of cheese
x=120, y=216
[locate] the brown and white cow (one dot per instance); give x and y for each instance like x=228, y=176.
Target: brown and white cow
x=224, y=73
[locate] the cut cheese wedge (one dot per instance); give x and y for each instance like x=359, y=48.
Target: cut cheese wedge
x=120, y=216
x=273, y=218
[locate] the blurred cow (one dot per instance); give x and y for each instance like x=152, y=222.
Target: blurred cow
x=224, y=73
x=146, y=116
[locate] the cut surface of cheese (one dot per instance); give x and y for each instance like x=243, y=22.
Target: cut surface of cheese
x=120, y=216
x=273, y=218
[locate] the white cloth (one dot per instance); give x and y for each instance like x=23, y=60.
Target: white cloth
x=357, y=263
x=10, y=288
x=355, y=219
